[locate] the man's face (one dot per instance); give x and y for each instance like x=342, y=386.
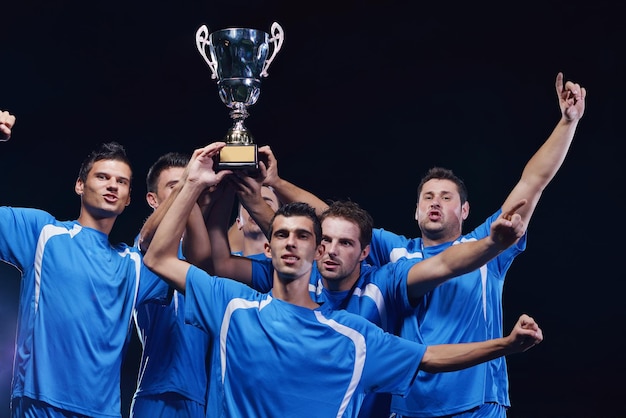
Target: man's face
x=292, y=246
x=342, y=250
x=168, y=179
x=106, y=191
x=439, y=212
x=245, y=222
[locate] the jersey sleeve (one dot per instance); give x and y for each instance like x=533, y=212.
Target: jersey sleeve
x=19, y=232
x=392, y=363
x=207, y=298
x=262, y=274
x=383, y=242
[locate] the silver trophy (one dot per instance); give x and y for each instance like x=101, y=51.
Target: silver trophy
x=238, y=58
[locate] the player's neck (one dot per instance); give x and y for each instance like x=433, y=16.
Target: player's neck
x=104, y=225
x=254, y=246
x=430, y=241
x=295, y=291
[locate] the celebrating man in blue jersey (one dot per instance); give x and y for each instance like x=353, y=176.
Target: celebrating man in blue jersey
x=77, y=294
x=470, y=305
x=172, y=380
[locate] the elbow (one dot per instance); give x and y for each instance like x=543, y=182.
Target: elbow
x=143, y=243
x=427, y=362
x=150, y=261
x=434, y=362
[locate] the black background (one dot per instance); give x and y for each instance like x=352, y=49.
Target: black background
x=362, y=99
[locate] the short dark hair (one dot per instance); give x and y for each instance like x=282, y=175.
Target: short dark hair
x=299, y=209
x=352, y=212
x=441, y=173
x=165, y=161
x=105, y=151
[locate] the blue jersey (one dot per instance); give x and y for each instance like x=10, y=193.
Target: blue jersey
x=379, y=295
x=275, y=359
x=174, y=353
x=75, y=313
x=470, y=306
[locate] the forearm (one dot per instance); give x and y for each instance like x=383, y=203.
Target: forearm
x=225, y=264
x=235, y=238
x=173, y=222
x=162, y=255
x=468, y=256
x=261, y=212
x=545, y=163
x=451, y=357
x=196, y=243
x=542, y=167
x=454, y=261
x=154, y=220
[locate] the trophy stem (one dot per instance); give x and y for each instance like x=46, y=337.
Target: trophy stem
x=239, y=134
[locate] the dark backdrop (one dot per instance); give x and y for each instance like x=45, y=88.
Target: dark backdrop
x=362, y=99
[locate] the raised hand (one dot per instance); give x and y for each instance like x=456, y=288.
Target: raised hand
x=7, y=121
x=509, y=227
x=571, y=98
x=201, y=166
x=270, y=168
x=247, y=186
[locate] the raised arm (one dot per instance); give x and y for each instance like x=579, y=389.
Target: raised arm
x=286, y=191
x=223, y=262
x=196, y=243
x=468, y=256
x=544, y=164
x=249, y=193
x=162, y=255
x=150, y=225
x=7, y=121
x=235, y=237
x=450, y=357
x=195, y=222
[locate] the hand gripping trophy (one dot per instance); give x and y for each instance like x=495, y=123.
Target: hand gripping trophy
x=238, y=58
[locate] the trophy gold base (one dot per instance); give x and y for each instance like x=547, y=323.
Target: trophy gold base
x=238, y=156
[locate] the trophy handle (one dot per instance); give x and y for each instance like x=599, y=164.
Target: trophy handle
x=278, y=36
x=202, y=40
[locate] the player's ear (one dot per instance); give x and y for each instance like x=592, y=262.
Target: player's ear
x=79, y=187
x=465, y=208
x=152, y=200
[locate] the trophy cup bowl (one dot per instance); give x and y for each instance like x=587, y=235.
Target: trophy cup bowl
x=238, y=58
